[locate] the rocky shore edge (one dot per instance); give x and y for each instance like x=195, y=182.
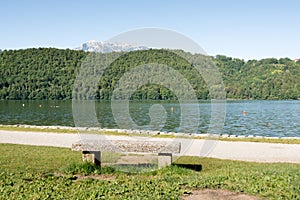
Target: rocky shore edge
x=143, y=132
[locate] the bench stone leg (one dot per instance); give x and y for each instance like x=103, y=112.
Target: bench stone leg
x=92, y=156
x=164, y=159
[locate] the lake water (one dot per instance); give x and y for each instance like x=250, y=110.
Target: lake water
x=265, y=118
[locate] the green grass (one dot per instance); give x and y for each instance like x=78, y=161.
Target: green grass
x=31, y=172
x=266, y=140
x=87, y=168
x=47, y=130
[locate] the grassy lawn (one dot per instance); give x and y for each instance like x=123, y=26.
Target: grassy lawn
x=31, y=172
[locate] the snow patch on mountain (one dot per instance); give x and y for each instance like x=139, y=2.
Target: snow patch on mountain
x=107, y=47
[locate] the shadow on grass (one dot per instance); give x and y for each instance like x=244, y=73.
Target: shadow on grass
x=195, y=167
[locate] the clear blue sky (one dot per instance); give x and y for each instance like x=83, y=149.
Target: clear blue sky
x=244, y=29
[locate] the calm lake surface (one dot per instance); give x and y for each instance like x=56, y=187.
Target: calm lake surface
x=265, y=118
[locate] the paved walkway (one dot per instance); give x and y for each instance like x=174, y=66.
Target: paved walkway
x=247, y=151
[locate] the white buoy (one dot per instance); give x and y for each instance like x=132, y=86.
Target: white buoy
x=23, y=104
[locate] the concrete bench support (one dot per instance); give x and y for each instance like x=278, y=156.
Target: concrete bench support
x=92, y=156
x=164, y=159
x=91, y=149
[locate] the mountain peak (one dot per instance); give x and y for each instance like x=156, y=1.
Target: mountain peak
x=107, y=47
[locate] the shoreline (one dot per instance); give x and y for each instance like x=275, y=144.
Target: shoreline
x=69, y=129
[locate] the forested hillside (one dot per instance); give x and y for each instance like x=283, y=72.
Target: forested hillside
x=263, y=79
x=44, y=73
x=49, y=73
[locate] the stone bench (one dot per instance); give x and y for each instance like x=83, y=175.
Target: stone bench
x=91, y=149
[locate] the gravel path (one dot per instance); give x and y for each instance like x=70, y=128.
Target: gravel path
x=247, y=151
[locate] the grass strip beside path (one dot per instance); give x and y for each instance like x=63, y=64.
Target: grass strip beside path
x=118, y=133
